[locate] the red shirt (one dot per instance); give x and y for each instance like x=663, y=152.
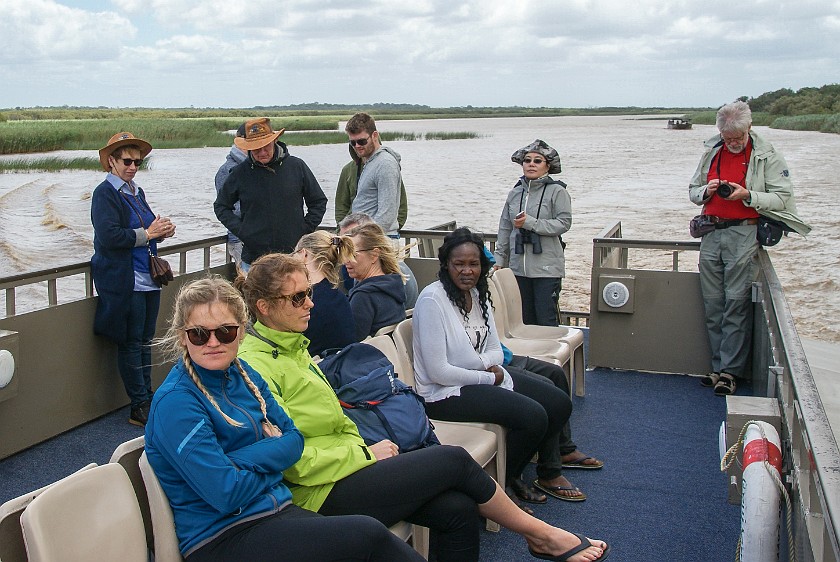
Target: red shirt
x=732, y=168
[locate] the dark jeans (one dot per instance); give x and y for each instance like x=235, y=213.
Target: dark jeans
x=556, y=375
x=297, y=534
x=534, y=414
x=437, y=487
x=539, y=299
x=134, y=356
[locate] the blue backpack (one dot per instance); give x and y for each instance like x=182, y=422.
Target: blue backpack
x=382, y=406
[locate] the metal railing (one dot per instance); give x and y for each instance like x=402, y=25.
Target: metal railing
x=51, y=276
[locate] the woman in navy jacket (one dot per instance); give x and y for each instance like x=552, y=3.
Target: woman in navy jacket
x=125, y=230
x=219, y=443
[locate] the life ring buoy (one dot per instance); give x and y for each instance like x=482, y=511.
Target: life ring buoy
x=760, y=494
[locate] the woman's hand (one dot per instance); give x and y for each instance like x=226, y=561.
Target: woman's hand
x=499, y=372
x=385, y=449
x=160, y=228
x=271, y=430
x=519, y=220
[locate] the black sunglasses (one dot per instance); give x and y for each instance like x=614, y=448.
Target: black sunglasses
x=535, y=161
x=298, y=299
x=127, y=161
x=201, y=335
x=360, y=142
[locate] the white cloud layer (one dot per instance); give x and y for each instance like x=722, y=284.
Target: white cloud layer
x=574, y=53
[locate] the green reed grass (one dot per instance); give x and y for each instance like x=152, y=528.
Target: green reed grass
x=53, y=164
x=21, y=137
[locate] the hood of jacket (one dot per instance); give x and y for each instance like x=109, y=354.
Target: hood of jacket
x=391, y=284
x=382, y=149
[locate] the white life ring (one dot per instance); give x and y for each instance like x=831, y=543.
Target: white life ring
x=760, y=494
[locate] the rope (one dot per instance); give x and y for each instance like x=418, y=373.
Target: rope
x=724, y=466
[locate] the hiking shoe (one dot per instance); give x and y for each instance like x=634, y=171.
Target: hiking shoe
x=140, y=414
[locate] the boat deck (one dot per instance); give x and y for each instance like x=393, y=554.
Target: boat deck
x=660, y=496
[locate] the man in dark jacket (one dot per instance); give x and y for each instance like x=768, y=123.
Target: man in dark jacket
x=271, y=187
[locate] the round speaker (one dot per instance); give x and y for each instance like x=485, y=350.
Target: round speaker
x=616, y=294
x=7, y=367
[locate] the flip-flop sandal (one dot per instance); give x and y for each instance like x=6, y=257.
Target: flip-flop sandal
x=517, y=502
x=584, y=544
x=554, y=492
x=526, y=493
x=581, y=463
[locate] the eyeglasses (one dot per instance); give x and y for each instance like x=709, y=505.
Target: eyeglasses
x=360, y=142
x=298, y=299
x=536, y=161
x=128, y=161
x=733, y=140
x=201, y=335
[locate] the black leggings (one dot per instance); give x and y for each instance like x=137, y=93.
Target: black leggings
x=534, y=414
x=295, y=534
x=437, y=487
x=556, y=375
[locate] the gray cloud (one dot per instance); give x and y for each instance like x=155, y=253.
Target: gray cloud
x=435, y=52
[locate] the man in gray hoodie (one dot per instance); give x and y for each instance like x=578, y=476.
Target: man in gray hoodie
x=236, y=156
x=378, y=194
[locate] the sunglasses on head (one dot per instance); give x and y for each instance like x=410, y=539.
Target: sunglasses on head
x=201, y=335
x=360, y=142
x=534, y=160
x=298, y=299
x=128, y=161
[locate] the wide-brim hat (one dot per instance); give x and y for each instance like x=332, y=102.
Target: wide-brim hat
x=118, y=140
x=540, y=147
x=258, y=134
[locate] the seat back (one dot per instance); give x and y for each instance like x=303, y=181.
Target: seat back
x=163, y=522
x=126, y=455
x=508, y=288
x=500, y=316
x=402, y=341
x=89, y=516
x=385, y=330
x=12, y=548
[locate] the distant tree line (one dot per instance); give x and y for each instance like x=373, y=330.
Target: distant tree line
x=806, y=101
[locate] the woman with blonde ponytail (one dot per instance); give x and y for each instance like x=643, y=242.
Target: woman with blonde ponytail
x=219, y=443
x=331, y=323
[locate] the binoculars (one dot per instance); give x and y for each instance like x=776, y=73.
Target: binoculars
x=523, y=237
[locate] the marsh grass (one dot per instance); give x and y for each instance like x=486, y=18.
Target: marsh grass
x=53, y=164
x=22, y=137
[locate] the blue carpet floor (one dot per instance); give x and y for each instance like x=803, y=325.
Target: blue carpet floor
x=660, y=495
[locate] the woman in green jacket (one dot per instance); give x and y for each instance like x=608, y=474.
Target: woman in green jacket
x=439, y=487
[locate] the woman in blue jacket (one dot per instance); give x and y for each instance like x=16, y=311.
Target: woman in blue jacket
x=125, y=232
x=219, y=443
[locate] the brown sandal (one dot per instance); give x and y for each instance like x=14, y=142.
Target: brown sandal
x=710, y=380
x=725, y=385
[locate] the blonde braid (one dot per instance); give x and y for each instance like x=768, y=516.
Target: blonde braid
x=197, y=381
x=253, y=388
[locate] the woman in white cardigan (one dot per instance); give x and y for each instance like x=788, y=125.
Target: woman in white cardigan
x=458, y=368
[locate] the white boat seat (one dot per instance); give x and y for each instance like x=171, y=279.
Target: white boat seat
x=12, y=548
x=89, y=516
x=507, y=292
x=163, y=522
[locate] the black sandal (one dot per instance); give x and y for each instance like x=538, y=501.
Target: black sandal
x=725, y=385
x=525, y=492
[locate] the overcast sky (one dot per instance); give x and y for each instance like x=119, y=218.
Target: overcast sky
x=561, y=53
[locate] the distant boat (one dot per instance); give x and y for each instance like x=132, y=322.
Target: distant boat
x=679, y=123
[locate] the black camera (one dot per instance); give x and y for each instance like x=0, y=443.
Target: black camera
x=724, y=189
x=523, y=237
